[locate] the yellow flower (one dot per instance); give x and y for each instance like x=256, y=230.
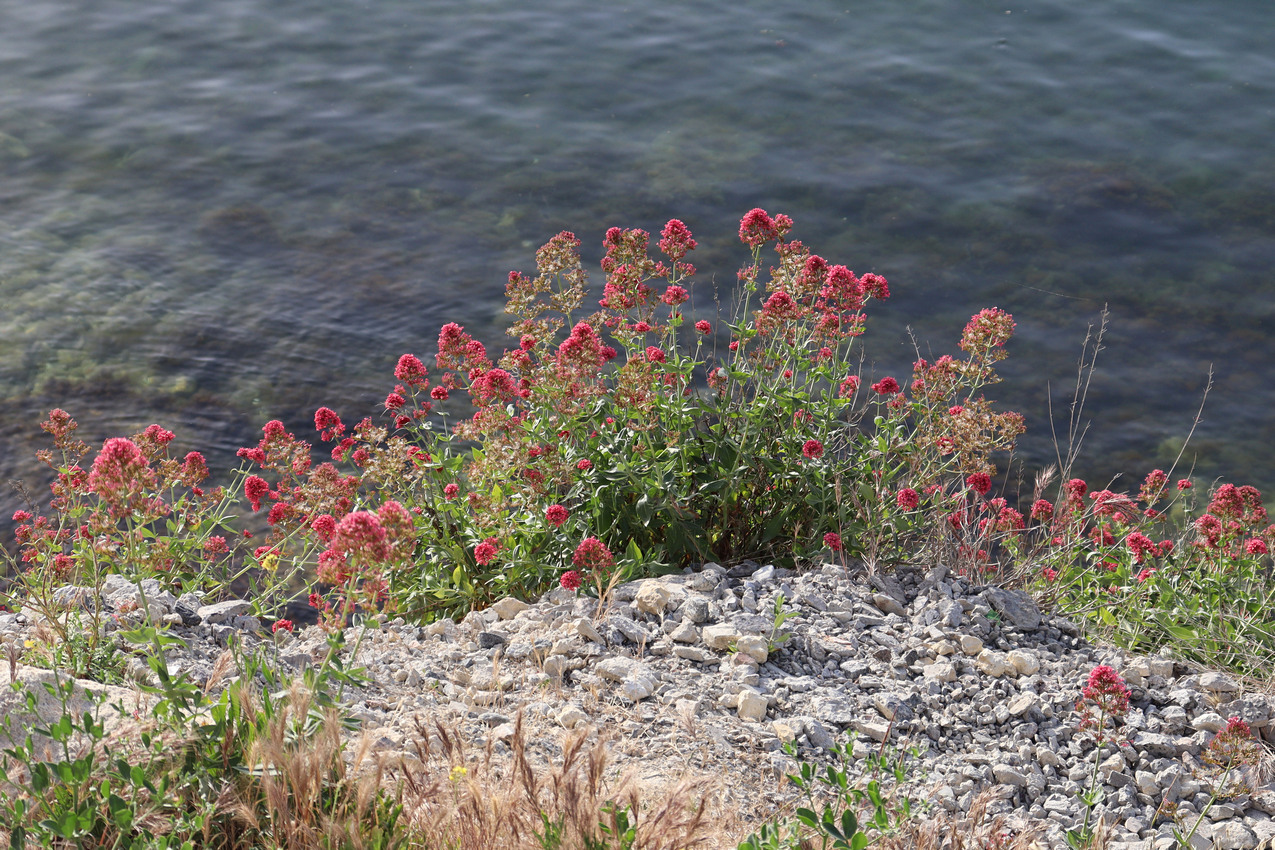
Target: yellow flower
x=457, y=773
x=270, y=563
x=28, y=643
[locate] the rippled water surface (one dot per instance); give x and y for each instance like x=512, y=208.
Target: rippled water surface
x=215, y=213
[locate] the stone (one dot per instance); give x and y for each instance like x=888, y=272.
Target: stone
x=1023, y=703
x=834, y=709
x=698, y=654
x=639, y=686
x=617, y=669
x=585, y=629
x=684, y=632
x=220, y=612
x=695, y=609
x=1157, y=745
x=753, y=646
x=652, y=597
x=1233, y=835
x=1219, y=683
x=1007, y=775
x=1018, y=609
x=719, y=636
x=942, y=671
x=891, y=706
x=888, y=604
x=786, y=730
x=995, y=664
x=971, y=645
x=874, y=729
x=509, y=607
x=751, y=705
x=1208, y=722
x=1026, y=663
x=818, y=735
x=489, y=640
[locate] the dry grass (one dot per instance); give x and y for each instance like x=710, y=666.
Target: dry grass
x=455, y=799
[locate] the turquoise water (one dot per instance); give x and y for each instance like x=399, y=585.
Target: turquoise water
x=216, y=213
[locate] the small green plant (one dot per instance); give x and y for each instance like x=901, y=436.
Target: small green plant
x=850, y=810
x=779, y=616
x=76, y=651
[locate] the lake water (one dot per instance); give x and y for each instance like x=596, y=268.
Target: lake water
x=216, y=213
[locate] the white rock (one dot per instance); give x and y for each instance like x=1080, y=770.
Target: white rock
x=1233, y=835
x=1218, y=683
x=1210, y=721
x=753, y=646
x=617, y=669
x=509, y=607
x=1146, y=782
x=571, y=717
x=685, y=632
x=786, y=730
x=698, y=654
x=1026, y=663
x=888, y=604
x=586, y=630
x=652, y=597
x=1023, y=703
x=223, y=611
x=942, y=671
x=719, y=636
x=638, y=687
x=1007, y=775
x=995, y=664
x=874, y=729
x=751, y=705
x=971, y=645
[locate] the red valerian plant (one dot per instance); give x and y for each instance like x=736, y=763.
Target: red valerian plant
x=592, y=426
x=1105, y=698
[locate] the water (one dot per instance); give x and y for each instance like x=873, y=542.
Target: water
x=213, y=214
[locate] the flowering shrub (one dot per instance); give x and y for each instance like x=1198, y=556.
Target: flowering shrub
x=138, y=511
x=591, y=451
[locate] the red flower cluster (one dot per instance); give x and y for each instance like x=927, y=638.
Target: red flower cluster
x=121, y=476
x=593, y=555
x=979, y=482
x=908, y=499
x=674, y=295
x=812, y=449
x=988, y=329
x=557, y=515
x=757, y=228
x=485, y=552
x=328, y=424
x=833, y=541
x=886, y=386
x=676, y=239
x=410, y=370
x=1042, y=510
x=570, y=580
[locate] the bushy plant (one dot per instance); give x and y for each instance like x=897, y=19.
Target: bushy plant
x=632, y=442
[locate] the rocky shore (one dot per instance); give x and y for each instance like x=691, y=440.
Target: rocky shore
x=694, y=674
